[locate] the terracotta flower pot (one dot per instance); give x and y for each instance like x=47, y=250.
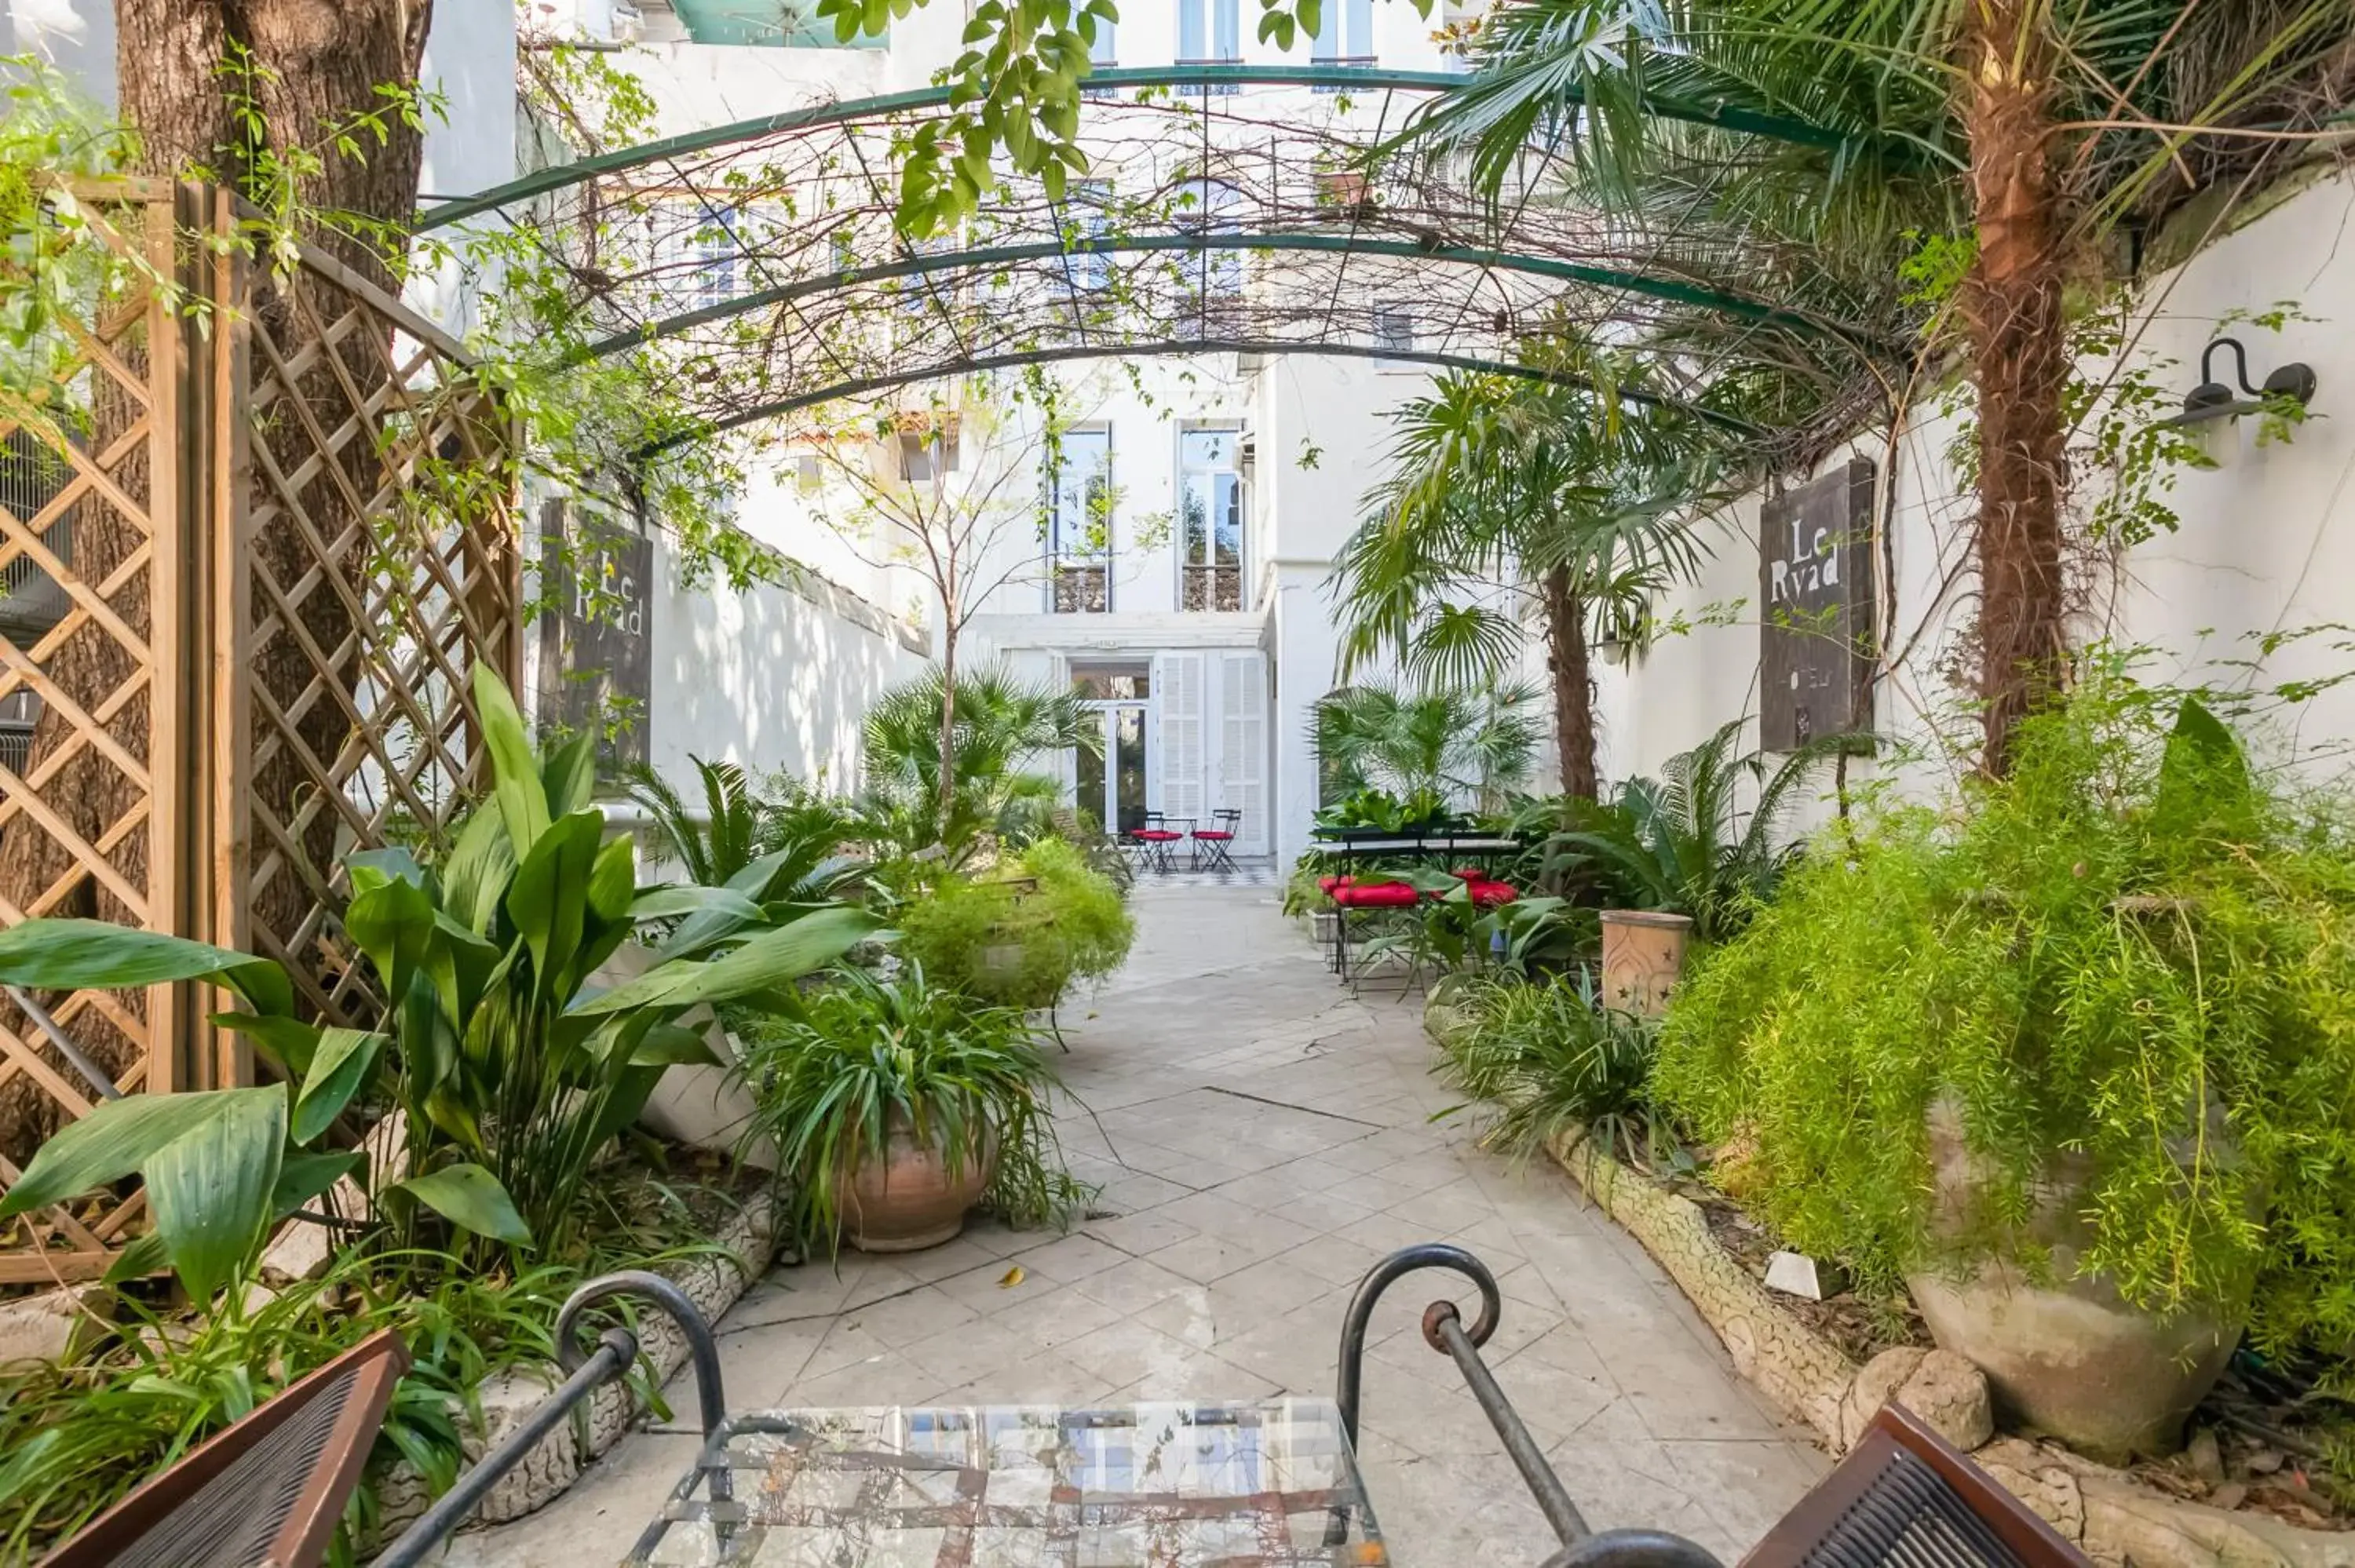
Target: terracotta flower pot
x=2067, y=1356
x=908, y=1199
x=1643, y=957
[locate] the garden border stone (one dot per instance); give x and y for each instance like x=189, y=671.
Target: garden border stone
x=2105, y=1513
x=713, y=1283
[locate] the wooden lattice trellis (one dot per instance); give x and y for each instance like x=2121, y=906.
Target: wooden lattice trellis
x=287, y=501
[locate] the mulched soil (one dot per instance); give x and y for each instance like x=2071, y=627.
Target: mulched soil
x=1861, y=1329
x=2259, y=1443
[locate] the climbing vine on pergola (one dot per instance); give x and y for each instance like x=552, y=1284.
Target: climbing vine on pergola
x=739, y=274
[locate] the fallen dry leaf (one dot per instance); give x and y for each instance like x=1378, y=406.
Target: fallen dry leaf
x=1012, y=1278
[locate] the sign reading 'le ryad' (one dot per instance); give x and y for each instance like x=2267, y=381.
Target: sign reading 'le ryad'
x=596, y=660
x=1816, y=641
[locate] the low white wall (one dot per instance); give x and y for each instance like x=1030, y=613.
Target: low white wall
x=2266, y=543
x=769, y=677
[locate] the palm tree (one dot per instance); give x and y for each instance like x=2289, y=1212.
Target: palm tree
x=993, y=724
x=1448, y=742
x=2029, y=131
x=1496, y=482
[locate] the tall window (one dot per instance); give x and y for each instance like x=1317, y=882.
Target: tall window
x=1210, y=520
x=1088, y=216
x=1214, y=207
x=1105, y=51
x=1209, y=31
x=1080, y=507
x=1345, y=33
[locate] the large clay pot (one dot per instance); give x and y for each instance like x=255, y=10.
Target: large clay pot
x=1643, y=957
x=907, y=1201
x=2069, y=1357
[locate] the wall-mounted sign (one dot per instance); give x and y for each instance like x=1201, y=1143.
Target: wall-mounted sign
x=1816, y=643
x=596, y=656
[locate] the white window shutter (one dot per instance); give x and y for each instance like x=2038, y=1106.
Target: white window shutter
x=1242, y=746
x=1180, y=685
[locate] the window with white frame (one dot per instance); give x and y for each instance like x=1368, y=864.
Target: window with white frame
x=1081, y=502
x=1213, y=208
x=1210, y=32
x=1088, y=217
x=1344, y=34
x=1210, y=520
x=1393, y=329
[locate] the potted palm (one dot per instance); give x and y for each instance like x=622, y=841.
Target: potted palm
x=898, y=1106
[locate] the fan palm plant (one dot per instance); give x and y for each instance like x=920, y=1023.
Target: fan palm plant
x=2017, y=134
x=1496, y=482
x=1683, y=843
x=1446, y=742
x=996, y=723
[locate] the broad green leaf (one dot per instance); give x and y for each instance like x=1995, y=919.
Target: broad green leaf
x=116, y=1139
x=210, y=1187
x=302, y=1177
x=522, y=798
x=549, y=899
x=393, y=923
x=569, y=775
x=766, y=959
x=475, y=876
x=613, y=881
x=374, y=868
x=143, y=1257
x=289, y=1043
x=472, y=1199
x=673, y=899
x=338, y=1068
x=75, y=955
x=674, y=1045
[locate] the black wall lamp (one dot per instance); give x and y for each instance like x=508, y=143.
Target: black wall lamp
x=2211, y=399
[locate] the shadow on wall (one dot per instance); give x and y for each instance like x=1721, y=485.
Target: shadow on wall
x=768, y=678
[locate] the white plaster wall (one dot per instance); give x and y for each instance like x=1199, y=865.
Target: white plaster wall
x=769, y=677
x=2266, y=542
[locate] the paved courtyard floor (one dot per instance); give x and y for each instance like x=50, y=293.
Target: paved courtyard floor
x=1261, y=1138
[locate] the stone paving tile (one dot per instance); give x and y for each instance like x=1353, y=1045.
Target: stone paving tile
x=1264, y=1138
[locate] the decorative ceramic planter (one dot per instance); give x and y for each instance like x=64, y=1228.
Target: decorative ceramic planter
x=1643, y=957
x=2067, y=1356
x=908, y=1199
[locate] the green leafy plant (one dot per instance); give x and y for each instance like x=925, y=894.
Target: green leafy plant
x=835, y=1077
x=1683, y=843
x=1551, y=1061
x=996, y=723
x=509, y=1074
x=1020, y=943
x=2134, y=950
x=1429, y=744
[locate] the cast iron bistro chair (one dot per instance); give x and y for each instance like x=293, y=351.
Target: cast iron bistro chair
x=1187, y=1485
x=1156, y=839
x=1216, y=842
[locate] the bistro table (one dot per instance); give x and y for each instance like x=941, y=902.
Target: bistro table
x=1024, y=1486
x=1352, y=846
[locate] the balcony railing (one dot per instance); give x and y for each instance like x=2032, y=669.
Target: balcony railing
x=1214, y=588
x=1216, y=89
x=1080, y=587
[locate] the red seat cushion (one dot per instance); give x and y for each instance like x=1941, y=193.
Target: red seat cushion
x=1157, y=835
x=1470, y=874
x=1488, y=895
x=1377, y=895
x=1328, y=883
x=1218, y=834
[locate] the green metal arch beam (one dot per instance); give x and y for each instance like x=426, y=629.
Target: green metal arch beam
x=1666, y=289
x=540, y=183
x=862, y=385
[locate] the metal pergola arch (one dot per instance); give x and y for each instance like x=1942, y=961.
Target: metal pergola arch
x=735, y=269
x=1016, y=360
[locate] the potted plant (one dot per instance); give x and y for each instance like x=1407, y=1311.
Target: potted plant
x=897, y=1106
x=2071, y=1056
x=1019, y=940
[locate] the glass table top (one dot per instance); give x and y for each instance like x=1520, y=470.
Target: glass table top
x=1024, y=1486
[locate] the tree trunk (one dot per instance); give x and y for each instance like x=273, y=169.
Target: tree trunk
x=1574, y=683
x=948, y=729
x=312, y=64
x=2012, y=304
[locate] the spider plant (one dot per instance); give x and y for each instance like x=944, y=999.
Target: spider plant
x=835, y=1078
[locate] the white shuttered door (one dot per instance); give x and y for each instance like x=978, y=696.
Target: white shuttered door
x=1181, y=688
x=1242, y=746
